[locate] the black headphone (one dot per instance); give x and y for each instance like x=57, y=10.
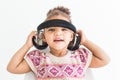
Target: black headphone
x=40, y=44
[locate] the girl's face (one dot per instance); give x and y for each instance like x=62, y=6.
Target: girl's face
x=58, y=38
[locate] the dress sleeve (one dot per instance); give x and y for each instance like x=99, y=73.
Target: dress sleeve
x=33, y=60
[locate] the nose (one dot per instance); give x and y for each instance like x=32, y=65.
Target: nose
x=58, y=32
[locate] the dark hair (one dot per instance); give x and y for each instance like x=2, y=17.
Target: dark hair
x=60, y=10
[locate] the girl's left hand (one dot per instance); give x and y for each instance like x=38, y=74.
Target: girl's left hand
x=29, y=39
x=83, y=37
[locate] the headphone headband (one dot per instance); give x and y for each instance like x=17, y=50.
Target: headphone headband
x=56, y=23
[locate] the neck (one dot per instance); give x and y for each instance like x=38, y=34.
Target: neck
x=58, y=53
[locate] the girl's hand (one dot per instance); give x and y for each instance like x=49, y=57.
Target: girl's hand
x=83, y=37
x=29, y=39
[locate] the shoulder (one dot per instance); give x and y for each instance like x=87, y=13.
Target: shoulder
x=83, y=51
x=34, y=56
x=34, y=53
x=84, y=54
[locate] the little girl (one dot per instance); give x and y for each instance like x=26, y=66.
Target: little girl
x=66, y=59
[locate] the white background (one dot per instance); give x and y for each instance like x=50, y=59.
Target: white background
x=100, y=20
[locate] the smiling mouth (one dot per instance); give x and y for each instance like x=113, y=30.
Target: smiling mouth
x=58, y=40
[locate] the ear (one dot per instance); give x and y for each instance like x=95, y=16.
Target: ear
x=72, y=36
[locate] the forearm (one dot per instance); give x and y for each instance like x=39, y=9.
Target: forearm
x=18, y=57
x=99, y=55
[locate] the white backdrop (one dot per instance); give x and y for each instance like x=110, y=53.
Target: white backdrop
x=100, y=19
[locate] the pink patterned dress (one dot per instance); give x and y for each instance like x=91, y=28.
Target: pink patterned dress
x=72, y=66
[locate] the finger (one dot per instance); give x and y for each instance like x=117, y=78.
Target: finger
x=79, y=31
x=33, y=33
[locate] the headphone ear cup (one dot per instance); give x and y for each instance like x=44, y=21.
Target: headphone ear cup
x=76, y=43
x=37, y=45
x=35, y=42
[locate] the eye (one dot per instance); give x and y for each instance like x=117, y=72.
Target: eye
x=51, y=29
x=64, y=29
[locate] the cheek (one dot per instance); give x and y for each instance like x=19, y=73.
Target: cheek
x=47, y=38
x=69, y=37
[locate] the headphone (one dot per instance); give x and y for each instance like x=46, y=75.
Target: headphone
x=40, y=44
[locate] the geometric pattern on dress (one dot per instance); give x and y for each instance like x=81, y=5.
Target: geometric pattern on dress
x=60, y=71
x=73, y=70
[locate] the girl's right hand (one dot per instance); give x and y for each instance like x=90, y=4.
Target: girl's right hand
x=17, y=64
x=29, y=39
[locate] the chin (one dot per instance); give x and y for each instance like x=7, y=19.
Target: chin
x=60, y=48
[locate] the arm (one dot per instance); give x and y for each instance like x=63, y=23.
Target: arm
x=99, y=56
x=17, y=63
